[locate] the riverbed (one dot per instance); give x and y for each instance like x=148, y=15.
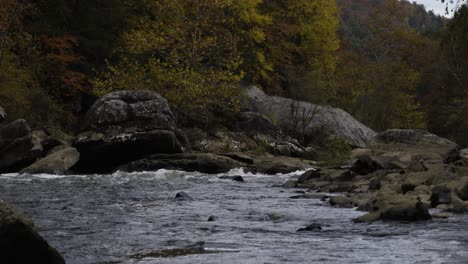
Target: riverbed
x=134, y=218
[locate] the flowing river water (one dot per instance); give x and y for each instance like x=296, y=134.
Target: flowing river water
x=134, y=218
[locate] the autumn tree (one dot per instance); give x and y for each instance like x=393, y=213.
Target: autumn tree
x=192, y=52
x=449, y=109
x=300, y=46
x=380, y=86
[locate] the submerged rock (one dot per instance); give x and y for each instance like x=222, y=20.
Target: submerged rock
x=311, y=227
x=233, y=178
x=19, y=243
x=183, y=196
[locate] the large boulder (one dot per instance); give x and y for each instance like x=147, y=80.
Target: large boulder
x=19, y=243
x=58, y=162
x=124, y=126
x=410, y=145
x=18, y=147
x=3, y=115
x=289, y=115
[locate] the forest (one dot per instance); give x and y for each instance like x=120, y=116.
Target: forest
x=389, y=63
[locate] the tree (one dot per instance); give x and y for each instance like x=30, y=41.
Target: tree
x=380, y=85
x=300, y=45
x=192, y=52
x=449, y=109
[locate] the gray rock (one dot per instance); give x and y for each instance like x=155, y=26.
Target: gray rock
x=58, y=162
x=18, y=148
x=19, y=243
x=124, y=126
x=3, y=115
x=336, y=122
x=128, y=111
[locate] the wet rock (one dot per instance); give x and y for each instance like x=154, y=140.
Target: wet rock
x=211, y=218
x=440, y=195
x=18, y=148
x=311, y=227
x=201, y=162
x=183, y=196
x=124, y=126
x=341, y=201
x=58, y=162
x=308, y=175
x=233, y=178
x=19, y=243
x=3, y=115
x=367, y=164
x=335, y=121
x=374, y=185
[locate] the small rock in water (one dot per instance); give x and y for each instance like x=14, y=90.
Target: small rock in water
x=311, y=227
x=183, y=196
x=211, y=218
x=234, y=178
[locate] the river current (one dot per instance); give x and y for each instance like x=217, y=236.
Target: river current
x=134, y=218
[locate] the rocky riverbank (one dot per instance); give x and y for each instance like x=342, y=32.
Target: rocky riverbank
x=402, y=175
x=394, y=175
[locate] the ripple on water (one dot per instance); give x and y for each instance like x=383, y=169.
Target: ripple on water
x=109, y=218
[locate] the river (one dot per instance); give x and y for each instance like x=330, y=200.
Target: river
x=134, y=218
